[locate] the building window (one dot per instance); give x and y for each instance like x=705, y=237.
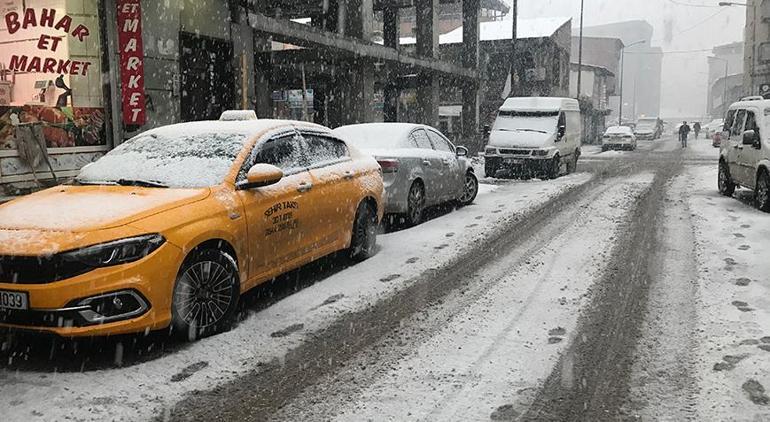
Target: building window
x=765, y=10
x=50, y=72
x=764, y=52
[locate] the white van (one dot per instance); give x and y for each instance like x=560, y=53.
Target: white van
x=534, y=137
x=744, y=158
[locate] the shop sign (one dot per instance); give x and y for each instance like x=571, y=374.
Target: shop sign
x=131, y=61
x=62, y=25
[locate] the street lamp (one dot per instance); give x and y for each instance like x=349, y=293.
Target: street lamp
x=753, y=37
x=622, y=69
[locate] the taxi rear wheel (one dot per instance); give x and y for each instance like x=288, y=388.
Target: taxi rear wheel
x=206, y=295
x=364, y=241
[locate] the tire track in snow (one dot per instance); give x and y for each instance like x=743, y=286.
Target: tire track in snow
x=541, y=285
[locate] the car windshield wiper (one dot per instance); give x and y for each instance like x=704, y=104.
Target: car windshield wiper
x=531, y=130
x=141, y=183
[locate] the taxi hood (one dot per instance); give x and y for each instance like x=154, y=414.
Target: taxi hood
x=520, y=139
x=87, y=208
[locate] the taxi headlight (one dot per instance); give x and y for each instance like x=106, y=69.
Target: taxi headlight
x=540, y=152
x=491, y=151
x=116, y=252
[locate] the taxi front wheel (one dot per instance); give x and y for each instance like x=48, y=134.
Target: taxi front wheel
x=205, y=295
x=364, y=241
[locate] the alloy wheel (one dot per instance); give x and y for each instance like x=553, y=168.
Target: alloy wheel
x=470, y=189
x=204, y=294
x=416, y=202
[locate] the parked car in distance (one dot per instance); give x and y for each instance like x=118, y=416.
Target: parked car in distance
x=648, y=128
x=171, y=227
x=618, y=137
x=420, y=166
x=713, y=127
x=744, y=157
x=535, y=136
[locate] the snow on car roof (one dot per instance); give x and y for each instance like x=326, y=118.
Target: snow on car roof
x=242, y=127
x=382, y=130
x=619, y=129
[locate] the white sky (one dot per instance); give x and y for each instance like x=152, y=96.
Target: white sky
x=677, y=27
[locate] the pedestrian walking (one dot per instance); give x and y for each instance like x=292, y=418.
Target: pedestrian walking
x=696, y=128
x=684, y=132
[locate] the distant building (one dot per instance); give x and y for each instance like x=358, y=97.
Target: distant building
x=642, y=74
x=450, y=16
x=596, y=85
x=727, y=62
x=543, y=57
x=756, y=79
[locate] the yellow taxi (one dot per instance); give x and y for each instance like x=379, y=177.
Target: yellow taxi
x=171, y=227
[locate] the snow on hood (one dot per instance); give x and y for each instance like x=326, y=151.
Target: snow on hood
x=519, y=139
x=87, y=208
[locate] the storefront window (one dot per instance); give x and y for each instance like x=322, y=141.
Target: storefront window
x=50, y=72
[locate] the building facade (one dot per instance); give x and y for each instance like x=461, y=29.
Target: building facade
x=597, y=83
x=756, y=79
x=79, y=77
x=642, y=72
x=725, y=83
x=542, y=62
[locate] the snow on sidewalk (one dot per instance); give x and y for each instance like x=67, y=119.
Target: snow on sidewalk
x=732, y=248
x=146, y=390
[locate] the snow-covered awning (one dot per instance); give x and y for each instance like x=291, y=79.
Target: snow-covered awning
x=503, y=30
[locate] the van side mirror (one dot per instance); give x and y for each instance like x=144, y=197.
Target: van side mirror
x=750, y=137
x=487, y=130
x=461, y=151
x=261, y=175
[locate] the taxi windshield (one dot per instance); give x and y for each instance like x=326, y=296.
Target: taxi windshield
x=155, y=160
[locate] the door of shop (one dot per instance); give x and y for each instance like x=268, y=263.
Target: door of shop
x=207, y=77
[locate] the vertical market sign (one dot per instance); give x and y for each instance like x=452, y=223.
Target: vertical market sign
x=131, y=62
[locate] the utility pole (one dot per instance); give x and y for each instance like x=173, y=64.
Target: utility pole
x=514, y=36
x=580, y=53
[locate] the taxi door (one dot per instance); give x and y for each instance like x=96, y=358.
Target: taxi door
x=277, y=215
x=335, y=191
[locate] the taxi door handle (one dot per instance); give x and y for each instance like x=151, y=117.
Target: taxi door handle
x=305, y=187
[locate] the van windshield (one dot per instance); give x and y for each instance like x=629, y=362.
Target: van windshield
x=527, y=121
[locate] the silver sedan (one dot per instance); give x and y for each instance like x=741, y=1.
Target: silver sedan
x=420, y=166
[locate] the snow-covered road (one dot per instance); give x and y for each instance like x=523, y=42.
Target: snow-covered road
x=629, y=291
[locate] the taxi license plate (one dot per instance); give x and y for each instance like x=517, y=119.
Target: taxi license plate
x=515, y=161
x=13, y=300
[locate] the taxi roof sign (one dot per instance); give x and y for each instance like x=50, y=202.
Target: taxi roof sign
x=234, y=115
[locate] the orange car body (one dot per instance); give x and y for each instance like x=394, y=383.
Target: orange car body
x=270, y=230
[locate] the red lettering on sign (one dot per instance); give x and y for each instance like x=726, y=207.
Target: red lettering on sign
x=131, y=61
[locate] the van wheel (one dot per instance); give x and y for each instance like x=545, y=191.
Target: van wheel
x=206, y=295
x=554, y=168
x=762, y=191
x=725, y=182
x=416, y=203
x=364, y=241
x=572, y=163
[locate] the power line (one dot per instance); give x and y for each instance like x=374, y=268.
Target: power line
x=724, y=9
x=680, y=3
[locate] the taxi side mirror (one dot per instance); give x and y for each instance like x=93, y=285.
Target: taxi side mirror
x=461, y=151
x=261, y=175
